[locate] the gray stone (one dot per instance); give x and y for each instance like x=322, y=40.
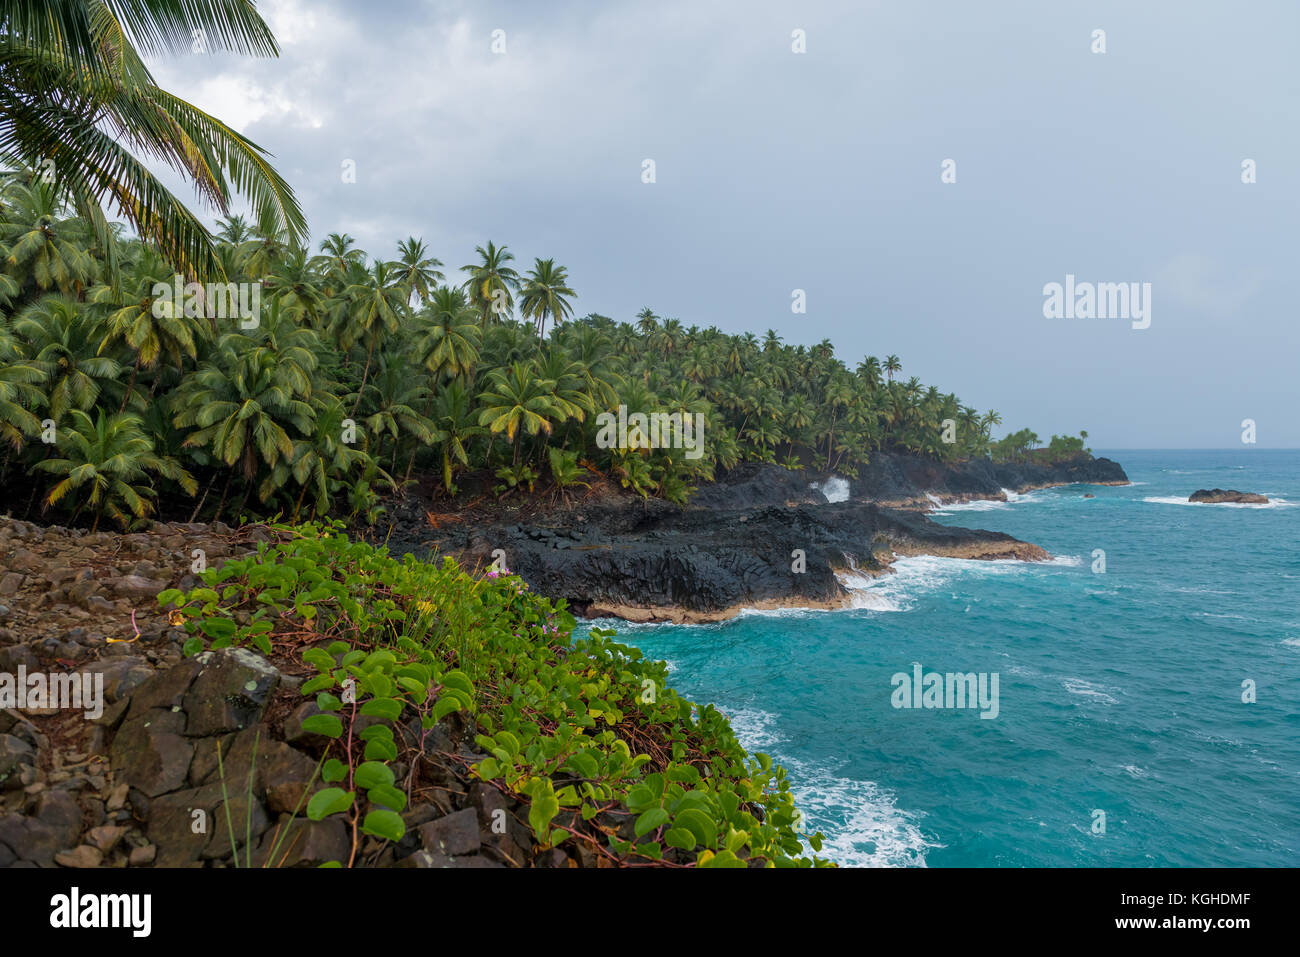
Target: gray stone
x=230, y=693
x=151, y=752
x=301, y=842
x=83, y=856
x=122, y=676
x=15, y=753
x=172, y=824
x=453, y=834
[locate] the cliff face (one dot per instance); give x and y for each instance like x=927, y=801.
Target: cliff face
x=761, y=536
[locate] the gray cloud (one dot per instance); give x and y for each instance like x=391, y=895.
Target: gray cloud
x=820, y=171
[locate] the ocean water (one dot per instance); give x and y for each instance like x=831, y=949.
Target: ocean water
x=1119, y=692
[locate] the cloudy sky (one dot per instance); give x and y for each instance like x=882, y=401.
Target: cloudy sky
x=821, y=171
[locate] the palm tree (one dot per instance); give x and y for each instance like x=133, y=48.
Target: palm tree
x=375, y=305
x=646, y=321
x=19, y=392
x=491, y=280
x=242, y=410
x=295, y=284
x=419, y=270
x=105, y=458
x=544, y=295
x=449, y=338
x=153, y=330
x=452, y=418
x=234, y=230
x=71, y=72
x=41, y=245
x=61, y=343
x=892, y=367
x=517, y=401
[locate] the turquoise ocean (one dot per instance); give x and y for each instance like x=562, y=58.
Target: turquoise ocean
x=1120, y=691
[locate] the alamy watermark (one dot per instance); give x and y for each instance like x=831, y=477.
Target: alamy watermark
x=656, y=430
x=37, y=691
x=1103, y=300
x=215, y=300
x=952, y=690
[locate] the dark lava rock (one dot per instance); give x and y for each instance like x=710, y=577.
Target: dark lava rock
x=452, y=835
x=1217, y=496
x=230, y=692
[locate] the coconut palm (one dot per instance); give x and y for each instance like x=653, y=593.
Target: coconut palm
x=419, y=270
x=544, y=295
x=517, y=401
x=41, y=245
x=62, y=343
x=104, y=460
x=376, y=303
x=491, y=281
x=71, y=72
x=449, y=336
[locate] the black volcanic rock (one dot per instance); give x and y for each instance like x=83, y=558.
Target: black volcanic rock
x=1216, y=496
x=738, y=541
x=898, y=479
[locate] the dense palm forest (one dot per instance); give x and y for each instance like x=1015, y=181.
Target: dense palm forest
x=360, y=372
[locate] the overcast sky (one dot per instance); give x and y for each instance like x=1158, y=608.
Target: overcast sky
x=821, y=171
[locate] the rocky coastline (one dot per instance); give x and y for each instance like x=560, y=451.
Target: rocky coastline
x=760, y=537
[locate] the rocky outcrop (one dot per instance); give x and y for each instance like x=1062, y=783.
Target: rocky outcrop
x=1219, y=496
x=658, y=562
x=903, y=480
x=759, y=537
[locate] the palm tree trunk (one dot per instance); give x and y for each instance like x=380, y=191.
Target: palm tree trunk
x=364, y=375
x=206, y=489
x=224, y=490
x=428, y=404
x=129, y=387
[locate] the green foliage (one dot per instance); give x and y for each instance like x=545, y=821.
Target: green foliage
x=587, y=732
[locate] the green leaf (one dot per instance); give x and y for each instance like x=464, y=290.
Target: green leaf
x=318, y=683
x=385, y=824
x=680, y=837
x=387, y=708
x=640, y=798
x=192, y=647
x=218, y=627
x=373, y=774
x=380, y=750
x=387, y=796
x=329, y=801
x=328, y=702
x=444, y=707
x=327, y=724
x=699, y=824
x=543, y=809
x=651, y=819
x=459, y=680
x=721, y=859
x=333, y=770
x=319, y=658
